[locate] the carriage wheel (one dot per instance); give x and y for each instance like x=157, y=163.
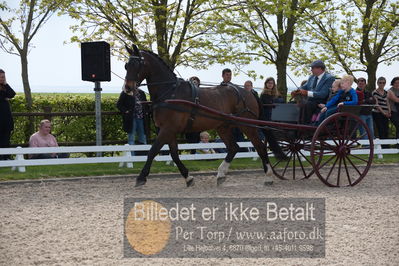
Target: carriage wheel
x=298, y=165
x=335, y=150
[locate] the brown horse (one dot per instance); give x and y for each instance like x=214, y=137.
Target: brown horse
x=172, y=119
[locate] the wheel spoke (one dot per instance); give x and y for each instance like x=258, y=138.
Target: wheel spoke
x=339, y=171
x=353, y=165
x=359, y=158
x=353, y=141
x=332, y=168
x=331, y=136
x=293, y=165
x=347, y=172
x=353, y=133
x=283, y=144
x=324, y=152
x=346, y=129
x=286, y=165
x=362, y=135
x=305, y=158
x=301, y=164
x=337, y=130
x=279, y=161
x=328, y=145
x=326, y=162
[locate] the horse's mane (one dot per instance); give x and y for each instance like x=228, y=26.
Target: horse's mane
x=161, y=60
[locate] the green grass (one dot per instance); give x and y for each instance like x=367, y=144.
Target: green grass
x=103, y=94
x=53, y=171
x=50, y=171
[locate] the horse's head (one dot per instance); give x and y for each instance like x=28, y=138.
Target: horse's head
x=134, y=68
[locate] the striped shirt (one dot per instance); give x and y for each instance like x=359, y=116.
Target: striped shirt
x=394, y=106
x=382, y=101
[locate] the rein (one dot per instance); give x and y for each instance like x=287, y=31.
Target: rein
x=251, y=122
x=158, y=83
x=172, y=105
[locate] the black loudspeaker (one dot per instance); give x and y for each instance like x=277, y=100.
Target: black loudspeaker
x=96, y=61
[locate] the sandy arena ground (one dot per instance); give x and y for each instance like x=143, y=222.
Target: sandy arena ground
x=81, y=222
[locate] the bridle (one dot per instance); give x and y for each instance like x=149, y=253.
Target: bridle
x=136, y=60
x=141, y=63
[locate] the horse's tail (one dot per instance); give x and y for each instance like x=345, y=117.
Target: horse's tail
x=273, y=144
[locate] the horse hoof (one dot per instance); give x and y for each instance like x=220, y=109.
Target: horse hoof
x=190, y=182
x=268, y=183
x=221, y=180
x=140, y=182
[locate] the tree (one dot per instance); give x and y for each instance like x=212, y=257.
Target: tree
x=174, y=29
x=262, y=30
x=358, y=36
x=25, y=21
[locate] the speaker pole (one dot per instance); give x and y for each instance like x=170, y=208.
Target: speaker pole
x=97, y=90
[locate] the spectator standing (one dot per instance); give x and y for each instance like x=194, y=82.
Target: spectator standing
x=367, y=99
x=248, y=86
x=382, y=112
x=6, y=120
x=227, y=76
x=140, y=115
x=126, y=105
x=193, y=137
x=317, y=89
x=393, y=96
x=43, y=138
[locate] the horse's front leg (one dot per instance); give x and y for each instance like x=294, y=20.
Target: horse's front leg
x=174, y=152
x=155, y=148
x=232, y=148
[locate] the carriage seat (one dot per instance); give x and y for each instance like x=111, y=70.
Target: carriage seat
x=363, y=109
x=285, y=112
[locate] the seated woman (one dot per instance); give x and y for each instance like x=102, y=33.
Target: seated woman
x=43, y=138
x=346, y=96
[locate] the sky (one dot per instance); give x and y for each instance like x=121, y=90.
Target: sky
x=55, y=65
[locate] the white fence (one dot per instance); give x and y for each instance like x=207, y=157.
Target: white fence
x=125, y=159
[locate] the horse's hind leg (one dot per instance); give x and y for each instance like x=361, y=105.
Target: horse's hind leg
x=252, y=134
x=232, y=148
x=155, y=148
x=174, y=152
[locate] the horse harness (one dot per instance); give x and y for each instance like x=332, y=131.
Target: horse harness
x=194, y=110
x=241, y=97
x=170, y=93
